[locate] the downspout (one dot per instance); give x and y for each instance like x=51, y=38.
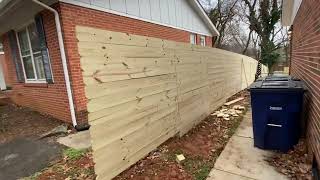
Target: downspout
x=64, y=61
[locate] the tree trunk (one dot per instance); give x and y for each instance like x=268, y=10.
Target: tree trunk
x=248, y=42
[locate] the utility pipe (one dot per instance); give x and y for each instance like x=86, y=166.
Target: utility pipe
x=64, y=60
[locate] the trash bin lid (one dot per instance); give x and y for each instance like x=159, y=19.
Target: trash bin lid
x=278, y=83
x=278, y=78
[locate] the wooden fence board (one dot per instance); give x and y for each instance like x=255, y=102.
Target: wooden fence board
x=141, y=91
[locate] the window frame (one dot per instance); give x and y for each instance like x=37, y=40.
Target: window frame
x=35, y=79
x=204, y=40
x=195, y=38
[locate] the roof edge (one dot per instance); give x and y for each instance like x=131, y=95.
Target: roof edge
x=3, y=3
x=290, y=9
x=287, y=10
x=198, y=7
x=7, y=4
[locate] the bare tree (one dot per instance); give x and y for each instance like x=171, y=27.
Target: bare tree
x=229, y=17
x=222, y=15
x=264, y=18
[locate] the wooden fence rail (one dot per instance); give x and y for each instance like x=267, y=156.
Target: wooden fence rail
x=141, y=91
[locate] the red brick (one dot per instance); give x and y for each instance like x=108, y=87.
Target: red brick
x=305, y=64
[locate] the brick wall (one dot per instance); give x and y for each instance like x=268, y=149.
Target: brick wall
x=52, y=98
x=305, y=64
x=46, y=98
x=209, y=42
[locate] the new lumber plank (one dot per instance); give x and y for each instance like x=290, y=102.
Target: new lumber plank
x=233, y=101
x=141, y=91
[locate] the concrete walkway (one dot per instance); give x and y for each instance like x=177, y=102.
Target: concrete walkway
x=80, y=140
x=240, y=160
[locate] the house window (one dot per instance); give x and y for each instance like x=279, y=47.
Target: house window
x=203, y=41
x=193, y=38
x=30, y=52
x=1, y=47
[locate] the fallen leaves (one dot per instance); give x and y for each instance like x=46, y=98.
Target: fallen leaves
x=294, y=164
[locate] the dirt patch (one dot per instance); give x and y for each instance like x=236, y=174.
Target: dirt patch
x=201, y=147
x=75, y=165
x=295, y=164
x=22, y=122
x=157, y=166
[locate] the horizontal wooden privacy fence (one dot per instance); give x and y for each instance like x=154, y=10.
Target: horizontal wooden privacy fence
x=143, y=90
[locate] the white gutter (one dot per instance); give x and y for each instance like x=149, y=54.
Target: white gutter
x=64, y=60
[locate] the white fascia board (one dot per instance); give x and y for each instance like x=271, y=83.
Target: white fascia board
x=287, y=10
x=290, y=9
x=197, y=6
x=3, y=3
x=77, y=3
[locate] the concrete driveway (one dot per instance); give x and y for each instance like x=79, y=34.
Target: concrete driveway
x=23, y=157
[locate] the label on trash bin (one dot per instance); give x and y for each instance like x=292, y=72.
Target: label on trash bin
x=275, y=125
x=273, y=108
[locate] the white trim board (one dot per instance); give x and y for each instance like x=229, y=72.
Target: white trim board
x=290, y=9
x=89, y=6
x=3, y=85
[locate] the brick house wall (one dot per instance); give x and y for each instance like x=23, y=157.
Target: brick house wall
x=46, y=98
x=52, y=98
x=305, y=64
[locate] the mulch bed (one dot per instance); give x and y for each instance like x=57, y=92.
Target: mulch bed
x=18, y=121
x=295, y=164
x=201, y=147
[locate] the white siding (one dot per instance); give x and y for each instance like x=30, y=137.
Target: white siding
x=84, y=1
x=155, y=7
x=145, y=12
x=164, y=11
x=179, y=13
x=173, y=13
x=133, y=7
x=117, y=5
x=184, y=15
x=101, y=3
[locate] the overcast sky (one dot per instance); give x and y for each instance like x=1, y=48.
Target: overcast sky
x=206, y=3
